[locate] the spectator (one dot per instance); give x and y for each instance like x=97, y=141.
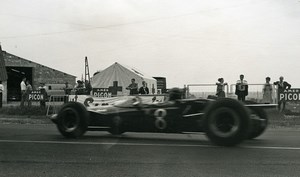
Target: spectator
x=79, y=89
x=67, y=89
x=23, y=91
x=281, y=86
x=144, y=89
x=43, y=90
x=28, y=91
x=267, y=91
x=241, y=89
x=220, y=88
x=153, y=89
x=88, y=87
x=133, y=87
x=1, y=91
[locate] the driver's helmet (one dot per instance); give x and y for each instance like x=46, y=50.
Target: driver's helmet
x=175, y=94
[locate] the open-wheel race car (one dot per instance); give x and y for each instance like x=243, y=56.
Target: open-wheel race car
x=226, y=122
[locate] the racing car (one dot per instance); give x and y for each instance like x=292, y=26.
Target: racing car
x=225, y=121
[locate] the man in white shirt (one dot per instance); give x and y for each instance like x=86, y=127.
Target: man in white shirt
x=23, y=91
x=241, y=89
x=1, y=93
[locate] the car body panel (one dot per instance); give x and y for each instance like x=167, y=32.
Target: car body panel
x=134, y=114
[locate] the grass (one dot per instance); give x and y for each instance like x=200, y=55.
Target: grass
x=277, y=119
x=23, y=111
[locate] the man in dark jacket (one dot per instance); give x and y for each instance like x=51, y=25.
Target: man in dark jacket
x=133, y=87
x=281, y=86
x=144, y=89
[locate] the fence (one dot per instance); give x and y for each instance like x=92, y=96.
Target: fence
x=255, y=91
x=203, y=90
x=55, y=102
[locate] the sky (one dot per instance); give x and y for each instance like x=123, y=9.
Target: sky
x=186, y=41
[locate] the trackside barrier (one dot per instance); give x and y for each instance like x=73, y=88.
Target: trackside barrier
x=210, y=89
x=255, y=92
x=55, y=102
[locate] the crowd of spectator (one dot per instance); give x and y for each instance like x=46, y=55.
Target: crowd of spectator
x=241, y=90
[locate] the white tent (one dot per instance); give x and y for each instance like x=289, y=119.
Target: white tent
x=119, y=77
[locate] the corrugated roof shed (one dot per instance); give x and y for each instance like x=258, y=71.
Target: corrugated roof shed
x=3, y=74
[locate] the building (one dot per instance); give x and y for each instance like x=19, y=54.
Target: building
x=3, y=76
x=161, y=84
x=18, y=68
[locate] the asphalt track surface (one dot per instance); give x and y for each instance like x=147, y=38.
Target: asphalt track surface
x=39, y=150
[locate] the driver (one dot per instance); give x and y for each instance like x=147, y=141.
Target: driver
x=175, y=94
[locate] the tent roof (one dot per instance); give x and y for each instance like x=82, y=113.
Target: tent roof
x=136, y=71
x=121, y=73
x=123, y=67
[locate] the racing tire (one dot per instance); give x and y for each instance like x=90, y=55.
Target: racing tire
x=116, y=126
x=226, y=122
x=115, y=131
x=257, y=127
x=72, y=120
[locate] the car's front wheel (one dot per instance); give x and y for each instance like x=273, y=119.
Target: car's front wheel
x=72, y=121
x=226, y=122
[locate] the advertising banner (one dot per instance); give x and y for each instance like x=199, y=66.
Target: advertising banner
x=36, y=95
x=102, y=92
x=290, y=95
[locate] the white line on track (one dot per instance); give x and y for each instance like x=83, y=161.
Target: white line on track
x=146, y=144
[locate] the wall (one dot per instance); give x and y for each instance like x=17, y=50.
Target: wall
x=40, y=73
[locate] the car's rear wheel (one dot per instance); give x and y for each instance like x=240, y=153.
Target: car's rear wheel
x=72, y=120
x=226, y=122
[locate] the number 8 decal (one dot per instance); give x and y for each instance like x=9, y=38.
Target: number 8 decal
x=160, y=122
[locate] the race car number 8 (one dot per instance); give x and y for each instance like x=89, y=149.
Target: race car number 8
x=160, y=122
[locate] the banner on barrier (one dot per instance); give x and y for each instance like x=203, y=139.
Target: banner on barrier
x=290, y=95
x=102, y=92
x=36, y=95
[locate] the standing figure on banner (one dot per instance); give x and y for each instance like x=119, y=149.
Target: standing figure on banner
x=267, y=91
x=133, y=87
x=144, y=89
x=28, y=91
x=281, y=86
x=241, y=89
x=221, y=88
